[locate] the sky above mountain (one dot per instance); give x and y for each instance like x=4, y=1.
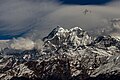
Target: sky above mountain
x=35, y=18
x=85, y=2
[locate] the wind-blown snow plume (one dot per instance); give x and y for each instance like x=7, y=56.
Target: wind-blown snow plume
x=38, y=44
x=22, y=44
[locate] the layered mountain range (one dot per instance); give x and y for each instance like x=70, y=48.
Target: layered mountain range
x=66, y=54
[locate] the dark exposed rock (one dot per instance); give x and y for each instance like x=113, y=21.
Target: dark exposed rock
x=66, y=55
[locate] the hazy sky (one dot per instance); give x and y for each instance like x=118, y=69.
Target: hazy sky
x=36, y=18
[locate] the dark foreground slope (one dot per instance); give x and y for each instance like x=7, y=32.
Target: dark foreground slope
x=66, y=55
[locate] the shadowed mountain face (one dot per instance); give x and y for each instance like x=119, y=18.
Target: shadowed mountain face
x=85, y=2
x=66, y=54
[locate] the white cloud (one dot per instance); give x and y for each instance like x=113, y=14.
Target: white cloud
x=22, y=44
x=70, y=16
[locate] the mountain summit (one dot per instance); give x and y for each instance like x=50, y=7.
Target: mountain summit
x=74, y=37
x=66, y=54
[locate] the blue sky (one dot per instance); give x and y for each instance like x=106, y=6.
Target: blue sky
x=85, y=2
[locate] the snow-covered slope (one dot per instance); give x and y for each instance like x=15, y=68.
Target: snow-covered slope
x=73, y=37
x=72, y=51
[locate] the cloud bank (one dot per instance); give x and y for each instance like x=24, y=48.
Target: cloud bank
x=36, y=18
x=96, y=22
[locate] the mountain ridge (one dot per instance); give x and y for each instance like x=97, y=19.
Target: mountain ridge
x=66, y=54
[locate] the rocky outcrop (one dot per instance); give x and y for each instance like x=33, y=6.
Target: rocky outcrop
x=66, y=55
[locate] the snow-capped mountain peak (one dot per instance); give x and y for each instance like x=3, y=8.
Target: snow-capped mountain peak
x=74, y=36
x=58, y=31
x=75, y=28
x=70, y=50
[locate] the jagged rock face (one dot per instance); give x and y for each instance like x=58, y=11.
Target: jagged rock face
x=79, y=37
x=67, y=55
x=105, y=41
x=73, y=37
